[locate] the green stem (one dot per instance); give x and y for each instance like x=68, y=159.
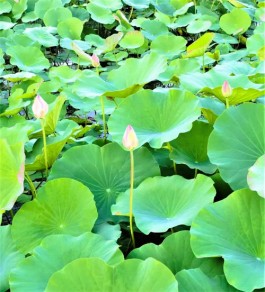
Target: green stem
x=131, y=198
x=44, y=146
x=31, y=185
x=11, y=213
x=103, y=116
x=170, y=150
x=227, y=102
x=195, y=172
x=131, y=12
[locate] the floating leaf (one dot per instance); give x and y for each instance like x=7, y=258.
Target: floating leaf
x=161, y=203
x=156, y=117
x=237, y=141
x=105, y=170
x=234, y=229
x=130, y=275
x=62, y=206
x=59, y=250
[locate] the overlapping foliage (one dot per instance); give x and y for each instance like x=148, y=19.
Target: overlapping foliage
x=159, y=66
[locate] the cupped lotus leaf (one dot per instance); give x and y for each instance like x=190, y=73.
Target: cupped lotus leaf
x=199, y=47
x=59, y=250
x=256, y=176
x=12, y=167
x=71, y=28
x=237, y=141
x=156, y=117
x=161, y=203
x=239, y=95
x=105, y=170
x=100, y=14
x=234, y=229
x=132, y=40
x=9, y=256
x=119, y=82
x=15, y=104
x=42, y=6
x=28, y=58
x=130, y=275
x=42, y=36
x=62, y=206
x=175, y=252
x=137, y=4
x=191, y=148
x=197, y=280
x=235, y=22
x=54, y=16
x=168, y=45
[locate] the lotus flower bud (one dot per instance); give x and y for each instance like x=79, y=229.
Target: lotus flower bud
x=95, y=61
x=130, y=140
x=39, y=107
x=226, y=89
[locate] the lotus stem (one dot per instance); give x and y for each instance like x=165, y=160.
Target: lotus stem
x=103, y=116
x=44, y=147
x=31, y=185
x=170, y=150
x=195, y=172
x=131, y=198
x=227, y=102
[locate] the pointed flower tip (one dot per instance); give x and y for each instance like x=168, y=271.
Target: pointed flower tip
x=95, y=60
x=226, y=89
x=40, y=107
x=130, y=140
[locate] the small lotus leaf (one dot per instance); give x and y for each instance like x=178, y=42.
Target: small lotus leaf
x=71, y=27
x=54, y=16
x=132, y=39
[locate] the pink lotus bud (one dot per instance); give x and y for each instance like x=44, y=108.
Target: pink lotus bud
x=129, y=139
x=95, y=60
x=226, y=89
x=39, y=107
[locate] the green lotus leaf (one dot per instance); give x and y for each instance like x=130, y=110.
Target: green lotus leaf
x=130, y=275
x=29, y=17
x=199, y=47
x=54, y=16
x=11, y=173
x=42, y=36
x=19, y=76
x=255, y=177
x=105, y=170
x=191, y=148
x=9, y=256
x=71, y=28
x=28, y=58
x=239, y=95
x=5, y=7
x=119, y=82
x=156, y=117
x=62, y=206
x=64, y=74
x=132, y=39
x=4, y=25
x=198, y=25
x=234, y=229
x=211, y=108
x=168, y=45
x=153, y=28
x=112, y=5
x=161, y=203
x=237, y=141
x=235, y=22
x=137, y=4
x=59, y=250
x=108, y=231
x=100, y=14
x=42, y=6
x=196, y=280
x=175, y=252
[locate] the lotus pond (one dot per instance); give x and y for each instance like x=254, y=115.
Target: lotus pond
x=132, y=145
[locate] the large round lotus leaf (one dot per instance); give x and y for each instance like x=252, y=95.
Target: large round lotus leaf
x=42, y=36
x=156, y=117
x=196, y=280
x=9, y=256
x=137, y=4
x=112, y=5
x=132, y=40
x=255, y=177
x=130, y=275
x=168, y=45
x=237, y=141
x=234, y=229
x=105, y=170
x=235, y=22
x=12, y=165
x=28, y=58
x=100, y=14
x=161, y=203
x=42, y=6
x=53, y=16
x=62, y=206
x=70, y=28
x=191, y=148
x=153, y=28
x=175, y=252
x=56, y=251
